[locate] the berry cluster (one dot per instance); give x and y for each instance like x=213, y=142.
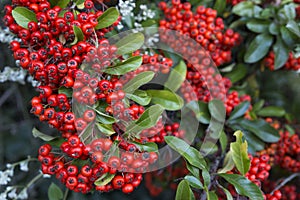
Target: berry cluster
x=203, y=26
x=259, y=168
x=286, y=152
x=291, y=64
x=287, y=192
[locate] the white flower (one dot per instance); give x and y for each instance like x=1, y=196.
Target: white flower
x=13, y=194
x=23, y=194
x=4, y=177
x=24, y=166
x=3, y=196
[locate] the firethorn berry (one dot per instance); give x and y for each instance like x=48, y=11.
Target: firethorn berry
x=127, y=188
x=117, y=182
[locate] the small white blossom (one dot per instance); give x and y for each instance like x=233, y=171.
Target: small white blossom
x=24, y=166
x=13, y=194
x=5, y=177
x=23, y=194
x=3, y=196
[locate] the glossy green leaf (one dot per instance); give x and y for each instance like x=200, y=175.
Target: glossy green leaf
x=147, y=147
x=138, y=81
x=177, y=77
x=228, y=164
x=79, y=36
x=223, y=141
x=261, y=129
x=289, y=38
x=125, y=66
x=54, y=192
x=201, y=111
x=274, y=28
x=289, y=11
x=243, y=186
x=104, y=118
x=63, y=3
x=217, y=110
x=244, y=9
x=258, y=48
x=192, y=169
x=206, y=178
x=139, y=96
x=194, y=182
x=191, y=154
x=106, y=129
x=281, y=53
x=167, y=99
x=258, y=26
x=184, y=191
x=212, y=196
x=220, y=6
x=239, y=150
x=104, y=179
x=109, y=17
x=254, y=143
x=238, y=73
x=293, y=27
x=23, y=16
x=150, y=116
x=130, y=43
x=239, y=110
x=257, y=106
x=37, y=134
x=271, y=111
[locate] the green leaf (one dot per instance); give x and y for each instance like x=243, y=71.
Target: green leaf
x=192, y=169
x=258, y=26
x=106, y=129
x=79, y=36
x=63, y=3
x=244, y=9
x=104, y=179
x=212, y=196
x=167, y=99
x=274, y=28
x=147, y=120
x=223, y=141
x=239, y=151
x=257, y=106
x=130, y=43
x=201, y=111
x=150, y=116
x=271, y=111
x=126, y=66
x=79, y=2
x=254, y=143
x=139, y=96
x=258, y=48
x=54, y=192
x=243, y=186
x=238, y=72
x=281, y=53
x=289, y=11
x=109, y=17
x=206, y=178
x=37, y=134
x=138, y=81
x=177, y=77
x=104, y=118
x=261, y=129
x=67, y=91
x=148, y=147
x=184, y=191
x=227, y=193
x=239, y=110
x=191, y=154
x=289, y=38
x=194, y=182
x=228, y=164
x=217, y=110
x=23, y=16
x=293, y=27
x=220, y=6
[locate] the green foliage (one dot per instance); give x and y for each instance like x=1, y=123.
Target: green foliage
x=125, y=66
x=184, y=191
x=54, y=192
x=78, y=35
x=130, y=43
x=109, y=17
x=23, y=16
x=177, y=77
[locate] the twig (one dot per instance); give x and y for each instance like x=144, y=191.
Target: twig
x=285, y=181
x=66, y=194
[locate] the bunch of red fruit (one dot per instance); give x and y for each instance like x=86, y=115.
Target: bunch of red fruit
x=292, y=63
